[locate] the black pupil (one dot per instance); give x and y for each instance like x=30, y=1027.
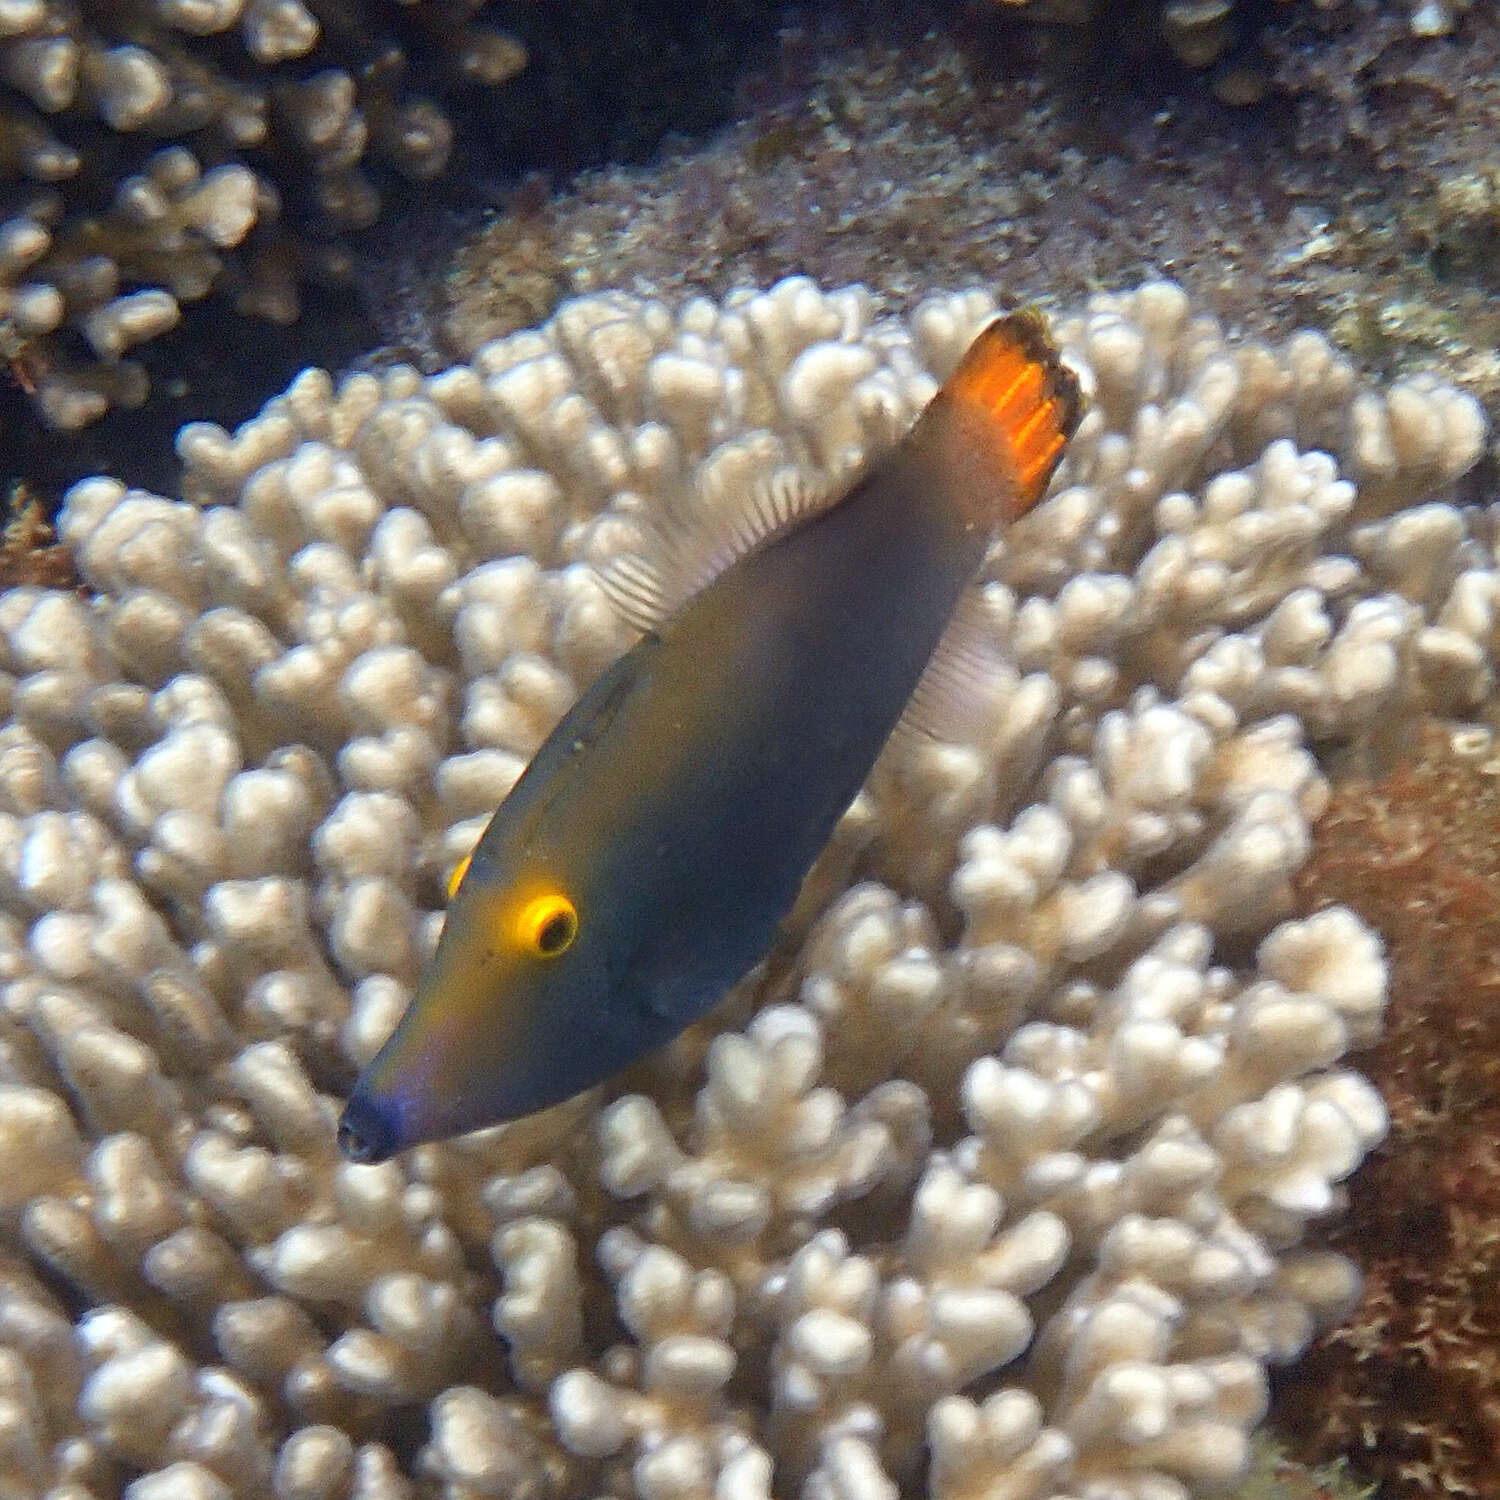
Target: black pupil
x=556, y=931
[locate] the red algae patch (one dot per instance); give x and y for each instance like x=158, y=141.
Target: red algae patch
x=1409, y=1386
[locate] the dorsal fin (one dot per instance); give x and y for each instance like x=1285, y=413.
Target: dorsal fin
x=546, y=777
x=669, y=559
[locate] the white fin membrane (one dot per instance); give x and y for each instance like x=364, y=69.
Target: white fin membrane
x=674, y=558
x=955, y=698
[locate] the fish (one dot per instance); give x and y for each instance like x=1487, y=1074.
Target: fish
x=643, y=861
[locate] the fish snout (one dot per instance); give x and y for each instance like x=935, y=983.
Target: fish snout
x=367, y=1130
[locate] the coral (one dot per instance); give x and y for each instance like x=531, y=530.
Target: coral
x=996, y=1173
x=152, y=148
x=1407, y=1389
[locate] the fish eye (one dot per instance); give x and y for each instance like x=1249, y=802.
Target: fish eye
x=547, y=925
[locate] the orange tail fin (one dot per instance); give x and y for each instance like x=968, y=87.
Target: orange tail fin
x=1013, y=386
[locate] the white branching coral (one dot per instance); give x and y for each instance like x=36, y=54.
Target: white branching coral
x=992, y=1178
x=151, y=150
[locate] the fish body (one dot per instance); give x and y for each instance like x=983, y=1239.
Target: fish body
x=664, y=828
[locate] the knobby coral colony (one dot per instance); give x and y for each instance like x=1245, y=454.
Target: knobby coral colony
x=148, y=148
x=991, y=1179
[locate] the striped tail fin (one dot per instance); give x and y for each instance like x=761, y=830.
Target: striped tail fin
x=1013, y=387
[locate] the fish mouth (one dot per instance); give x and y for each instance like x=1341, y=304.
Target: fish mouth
x=368, y=1131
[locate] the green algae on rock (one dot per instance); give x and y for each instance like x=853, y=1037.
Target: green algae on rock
x=1275, y=1475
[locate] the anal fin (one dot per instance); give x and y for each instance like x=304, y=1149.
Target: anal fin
x=956, y=700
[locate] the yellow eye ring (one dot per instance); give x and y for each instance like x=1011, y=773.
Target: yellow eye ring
x=461, y=869
x=547, y=925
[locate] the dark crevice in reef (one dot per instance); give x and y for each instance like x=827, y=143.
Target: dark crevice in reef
x=214, y=366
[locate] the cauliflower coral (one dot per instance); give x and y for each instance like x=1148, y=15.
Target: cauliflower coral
x=990, y=1180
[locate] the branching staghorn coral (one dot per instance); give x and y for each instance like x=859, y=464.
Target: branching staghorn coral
x=149, y=149
x=991, y=1178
